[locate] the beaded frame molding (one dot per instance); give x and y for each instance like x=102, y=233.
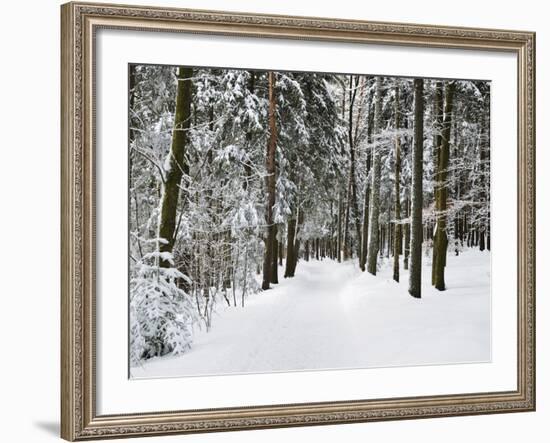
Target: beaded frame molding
x=79, y=22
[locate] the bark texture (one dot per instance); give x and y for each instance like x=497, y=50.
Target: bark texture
x=270, y=235
x=177, y=165
x=366, y=203
x=397, y=209
x=440, y=240
x=415, y=273
x=372, y=254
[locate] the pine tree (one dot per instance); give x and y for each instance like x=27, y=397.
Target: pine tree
x=415, y=273
x=290, y=251
x=366, y=203
x=176, y=165
x=397, y=234
x=440, y=240
x=373, y=248
x=270, y=237
x=437, y=130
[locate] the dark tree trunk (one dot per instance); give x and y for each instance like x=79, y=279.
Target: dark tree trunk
x=407, y=246
x=316, y=249
x=372, y=254
x=339, y=240
x=437, y=129
x=483, y=152
x=415, y=274
x=270, y=184
x=383, y=240
x=441, y=242
x=365, y=236
x=346, y=241
x=178, y=165
x=297, y=240
x=397, y=234
x=290, y=253
x=275, y=259
x=352, y=184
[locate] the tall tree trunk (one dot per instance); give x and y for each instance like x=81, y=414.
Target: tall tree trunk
x=339, y=239
x=270, y=184
x=389, y=231
x=484, y=196
x=397, y=235
x=437, y=130
x=177, y=164
x=290, y=253
x=372, y=255
x=275, y=258
x=353, y=184
x=440, y=242
x=365, y=236
x=297, y=239
x=366, y=203
x=346, y=241
x=331, y=230
x=343, y=211
x=415, y=274
x=407, y=239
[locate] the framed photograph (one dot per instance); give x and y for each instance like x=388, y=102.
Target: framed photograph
x=283, y=221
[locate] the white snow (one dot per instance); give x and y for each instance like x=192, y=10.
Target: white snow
x=333, y=316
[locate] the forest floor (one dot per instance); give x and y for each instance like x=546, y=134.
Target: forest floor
x=331, y=315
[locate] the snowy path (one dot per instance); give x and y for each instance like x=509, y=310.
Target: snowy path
x=333, y=316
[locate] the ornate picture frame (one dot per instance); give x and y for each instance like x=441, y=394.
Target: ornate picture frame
x=79, y=418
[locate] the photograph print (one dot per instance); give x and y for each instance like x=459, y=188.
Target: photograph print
x=300, y=221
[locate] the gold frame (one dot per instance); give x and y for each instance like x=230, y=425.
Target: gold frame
x=79, y=420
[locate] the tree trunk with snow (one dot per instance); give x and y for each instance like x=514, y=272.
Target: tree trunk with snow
x=270, y=233
x=297, y=239
x=437, y=129
x=372, y=254
x=407, y=237
x=397, y=234
x=366, y=203
x=484, y=194
x=346, y=240
x=440, y=241
x=415, y=273
x=176, y=164
x=354, y=85
x=339, y=238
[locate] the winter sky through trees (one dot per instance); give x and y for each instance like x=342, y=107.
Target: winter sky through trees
x=286, y=221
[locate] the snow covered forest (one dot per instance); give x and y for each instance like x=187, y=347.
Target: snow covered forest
x=275, y=216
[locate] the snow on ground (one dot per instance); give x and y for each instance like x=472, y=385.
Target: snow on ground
x=331, y=315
